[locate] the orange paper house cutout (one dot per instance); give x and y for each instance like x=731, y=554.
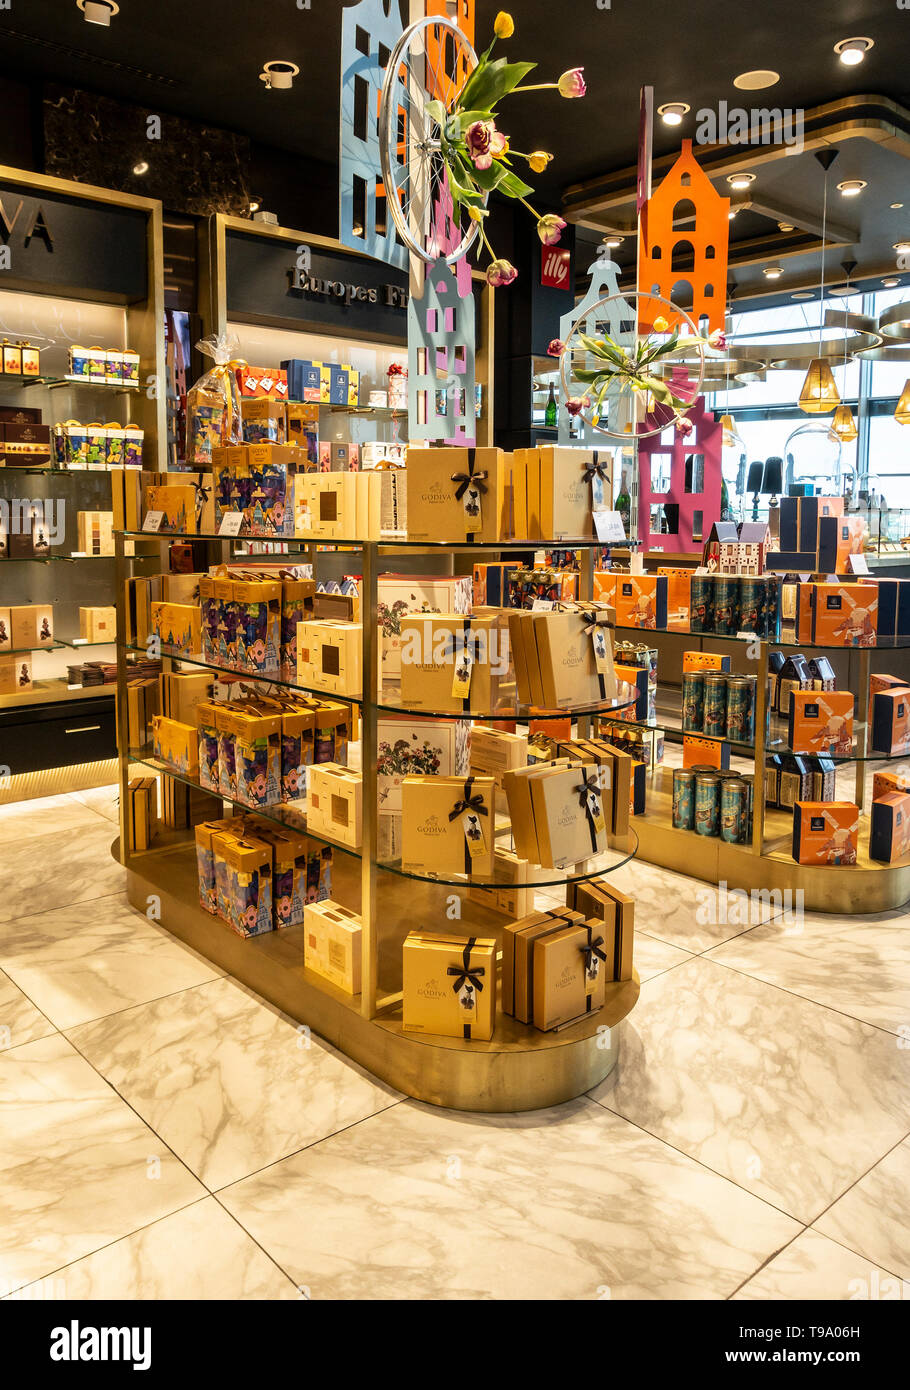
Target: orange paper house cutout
x=682, y=246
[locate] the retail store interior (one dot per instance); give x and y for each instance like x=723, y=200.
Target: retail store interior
x=454, y=652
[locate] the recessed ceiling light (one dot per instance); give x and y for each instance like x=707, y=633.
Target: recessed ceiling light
x=732, y=213
x=740, y=180
x=786, y=227
x=897, y=205
x=278, y=73
x=802, y=294
x=755, y=80
x=853, y=51
x=902, y=247
x=613, y=241
x=141, y=167
x=850, y=187
x=773, y=272
x=846, y=291
x=98, y=11
x=672, y=112
x=890, y=282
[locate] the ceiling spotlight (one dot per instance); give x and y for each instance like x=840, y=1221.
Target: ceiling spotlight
x=902, y=247
x=897, y=205
x=141, y=167
x=802, y=294
x=786, y=227
x=850, y=187
x=613, y=241
x=278, y=74
x=757, y=79
x=98, y=11
x=773, y=272
x=672, y=112
x=740, y=180
x=853, y=51
x=890, y=282
x=732, y=213
x=254, y=205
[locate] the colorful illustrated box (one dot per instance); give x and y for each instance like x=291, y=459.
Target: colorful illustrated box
x=332, y=944
x=401, y=594
x=176, y=744
x=178, y=627
x=447, y=826
x=449, y=985
x=824, y=832
x=248, y=885
x=821, y=722
x=844, y=615
x=641, y=600
x=409, y=746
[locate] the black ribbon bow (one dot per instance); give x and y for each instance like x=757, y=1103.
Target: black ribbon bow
x=595, y=469
x=591, y=950
x=475, y=805
x=593, y=620
x=471, y=478
x=466, y=973
x=457, y=647
x=586, y=787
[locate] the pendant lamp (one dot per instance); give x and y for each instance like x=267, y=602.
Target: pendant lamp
x=843, y=425
x=819, y=393
x=902, y=413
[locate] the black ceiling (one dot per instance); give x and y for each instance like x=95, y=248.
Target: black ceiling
x=202, y=60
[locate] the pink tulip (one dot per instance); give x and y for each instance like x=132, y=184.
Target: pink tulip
x=717, y=340
x=500, y=272
x=572, y=83
x=556, y=347
x=484, y=143
x=684, y=426
x=576, y=404
x=549, y=228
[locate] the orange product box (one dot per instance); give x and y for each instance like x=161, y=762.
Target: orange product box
x=262, y=381
x=706, y=752
x=896, y=779
x=824, y=832
x=605, y=586
x=883, y=682
x=821, y=722
x=889, y=837
x=851, y=531
x=891, y=722
x=641, y=600
x=679, y=588
x=805, y=600
x=844, y=615
x=705, y=661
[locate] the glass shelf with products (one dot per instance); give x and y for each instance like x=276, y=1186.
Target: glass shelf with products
x=787, y=640
x=232, y=674
x=775, y=743
x=51, y=383
x=384, y=544
x=606, y=862
x=56, y=646
x=51, y=559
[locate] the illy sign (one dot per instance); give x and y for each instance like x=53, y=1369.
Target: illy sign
x=554, y=267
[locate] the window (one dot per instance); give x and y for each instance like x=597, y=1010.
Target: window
x=683, y=213
x=709, y=253
x=683, y=256
x=656, y=253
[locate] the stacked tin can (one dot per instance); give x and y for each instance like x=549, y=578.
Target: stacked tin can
x=719, y=705
x=713, y=803
x=727, y=604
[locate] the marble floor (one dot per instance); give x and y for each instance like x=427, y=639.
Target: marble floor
x=166, y=1134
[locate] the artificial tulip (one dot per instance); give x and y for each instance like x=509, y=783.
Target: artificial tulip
x=572, y=83
x=500, y=272
x=503, y=25
x=549, y=228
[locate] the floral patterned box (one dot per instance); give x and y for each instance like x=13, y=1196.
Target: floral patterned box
x=416, y=593
x=409, y=747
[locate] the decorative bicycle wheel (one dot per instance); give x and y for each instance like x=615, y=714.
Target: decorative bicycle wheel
x=631, y=383
x=427, y=70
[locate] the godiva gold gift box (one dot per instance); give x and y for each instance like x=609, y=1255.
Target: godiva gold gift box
x=449, y=985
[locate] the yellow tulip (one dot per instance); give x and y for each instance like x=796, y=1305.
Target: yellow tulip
x=503, y=25
x=660, y=325
x=539, y=160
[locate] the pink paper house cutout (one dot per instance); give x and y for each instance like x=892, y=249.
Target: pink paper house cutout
x=665, y=456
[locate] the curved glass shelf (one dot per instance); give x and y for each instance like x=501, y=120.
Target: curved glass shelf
x=51, y=559
x=56, y=646
x=389, y=542
x=290, y=815
x=11, y=379
x=787, y=642
x=625, y=698
x=231, y=673
x=36, y=470
x=607, y=862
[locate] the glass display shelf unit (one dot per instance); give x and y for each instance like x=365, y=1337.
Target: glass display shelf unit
x=775, y=742
x=391, y=702
x=48, y=470
x=788, y=641
x=51, y=383
x=386, y=543
x=293, y=816
x=58, y=645
x=51, y=559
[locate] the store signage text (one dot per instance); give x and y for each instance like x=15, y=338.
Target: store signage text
x=34, y=224
x=390, y=296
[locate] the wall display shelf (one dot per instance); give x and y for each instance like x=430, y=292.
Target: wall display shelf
x=97, y=278
x=520, y=1067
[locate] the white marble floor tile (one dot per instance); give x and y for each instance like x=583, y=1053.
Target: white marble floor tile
x=653, y=957
x=791, y=1100
x=860, y=965
x=46, y=815
x=104, y=801
x=197, y=1254
x=816, y=1268
x=43, y=871
x=229, y=1083
x=874, y=1216
x=78, y=1169
x=684, y=911
x=568, y=1203
x=20, y=1021
x=83, y=963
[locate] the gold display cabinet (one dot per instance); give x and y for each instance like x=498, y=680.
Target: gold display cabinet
x=765, y=864
x=520, y=1068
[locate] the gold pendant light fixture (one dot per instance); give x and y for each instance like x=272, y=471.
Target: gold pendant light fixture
x=819, y=394
x=843, y=425
x=902, y=413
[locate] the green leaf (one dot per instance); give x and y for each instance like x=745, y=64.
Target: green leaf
x=437, y=112
x=513, y=187
x=587, y=374
x=491, y=178
x=491, y=81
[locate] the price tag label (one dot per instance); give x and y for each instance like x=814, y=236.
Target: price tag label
x=473, y=834
x=595, y=806
x=231, y=523
x=858, y=564
x=608, y=526
x=461, y=677
x=600, y=637
x=473, y=521
x=153, y=521
x=543, y=605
